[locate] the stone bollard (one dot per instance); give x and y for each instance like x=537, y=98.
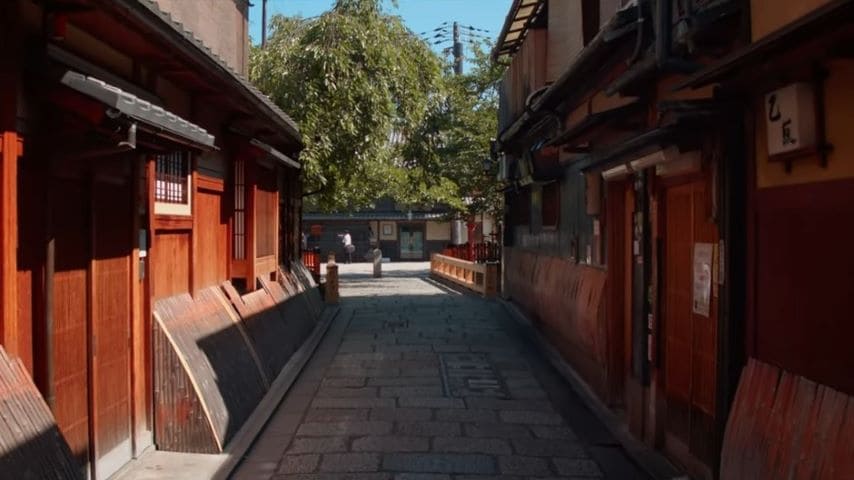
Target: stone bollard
x=490, y=281
x=378, y=263
x=331, y=289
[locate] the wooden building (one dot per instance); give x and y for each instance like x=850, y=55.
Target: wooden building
x=402, y=234
x=692, y=277
x=793, y=84
x=138, y=166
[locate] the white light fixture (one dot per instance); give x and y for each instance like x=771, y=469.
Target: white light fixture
x=617, y=173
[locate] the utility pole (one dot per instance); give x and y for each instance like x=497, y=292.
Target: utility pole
x=455, y=33
x=458, y=50
x=263, y=23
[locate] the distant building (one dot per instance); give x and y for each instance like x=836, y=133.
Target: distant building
x=401, y=234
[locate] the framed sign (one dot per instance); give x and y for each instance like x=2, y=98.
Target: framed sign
x=790, y=119
x=386, y=229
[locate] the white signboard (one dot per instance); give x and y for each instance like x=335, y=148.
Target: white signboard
x=702, y=278
x=790, y=118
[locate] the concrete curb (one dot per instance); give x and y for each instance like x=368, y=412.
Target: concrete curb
x=247, y=434
x=650, y=461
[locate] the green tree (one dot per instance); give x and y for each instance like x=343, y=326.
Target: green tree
x=381, y=114
x=446, y=163
x=359, y=83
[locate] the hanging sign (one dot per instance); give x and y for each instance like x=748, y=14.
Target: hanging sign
x=703, y=257
x=790, y=118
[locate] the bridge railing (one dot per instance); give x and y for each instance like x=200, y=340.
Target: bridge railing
x=479, y=277
x=311, y=260
x=481, y=252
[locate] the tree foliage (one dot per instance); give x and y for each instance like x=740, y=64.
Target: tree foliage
x=454, y=140
x=380, y=113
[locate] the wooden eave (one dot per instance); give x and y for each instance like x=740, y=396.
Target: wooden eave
x=825, y=32
x=683, y=129
x=520, y=18
x=137, y=30
x=598, y=57
x=580, y=132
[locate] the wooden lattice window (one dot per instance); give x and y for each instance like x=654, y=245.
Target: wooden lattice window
x=239, y=229
x=172, y=178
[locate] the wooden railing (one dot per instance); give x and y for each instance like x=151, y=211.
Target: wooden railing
x=480, y=277
x=311, y=260
x=479, y=253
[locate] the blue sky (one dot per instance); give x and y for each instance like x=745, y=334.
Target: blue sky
x=419, y=15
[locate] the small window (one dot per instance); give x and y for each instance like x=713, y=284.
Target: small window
x=551, y=204
x=520, y=207
x=172, y=178
x=239, y=223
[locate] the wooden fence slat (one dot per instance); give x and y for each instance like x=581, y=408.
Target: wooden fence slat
x=735, y=422
x=797, y=428
x=810, y=446
x=28, y=434
x=785, y=426
x=833, y=413
x=36, y=433
x=30, y=443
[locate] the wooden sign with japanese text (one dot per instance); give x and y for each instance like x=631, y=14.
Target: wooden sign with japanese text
x=790, y=119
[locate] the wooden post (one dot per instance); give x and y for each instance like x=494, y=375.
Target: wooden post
x=251, y=187
x=378, y=263
x=471, y=226
x=490, y=280
x=11, y=148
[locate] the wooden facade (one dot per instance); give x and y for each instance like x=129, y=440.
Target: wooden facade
x=111, y=210
x=797, y=307
x=717, y=254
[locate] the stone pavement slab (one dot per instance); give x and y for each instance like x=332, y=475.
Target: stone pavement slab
x=417, y=381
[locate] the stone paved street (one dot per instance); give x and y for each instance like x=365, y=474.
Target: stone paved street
x=416, y=381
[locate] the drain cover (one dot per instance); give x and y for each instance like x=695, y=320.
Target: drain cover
x=392, y=324
x=468, y=374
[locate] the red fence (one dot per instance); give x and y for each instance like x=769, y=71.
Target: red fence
x=311, y=260
x=479, y=252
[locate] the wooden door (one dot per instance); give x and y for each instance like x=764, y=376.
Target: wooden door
x=111, y=314
x=212, y=230
x=69, y=305
x=690, y=338
x=618, y=224
x=411, y=242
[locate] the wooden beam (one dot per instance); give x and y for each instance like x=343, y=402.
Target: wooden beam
x=251, y=220
x=140, y=324
x=11, y=147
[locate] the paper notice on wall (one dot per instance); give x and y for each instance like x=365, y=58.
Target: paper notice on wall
x=703, y=257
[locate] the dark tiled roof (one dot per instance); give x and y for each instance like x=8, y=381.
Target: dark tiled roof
x=249, y=90
x=138, y=109
x=281, y=157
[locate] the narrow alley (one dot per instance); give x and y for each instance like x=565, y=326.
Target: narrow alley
x=418, y=381
x=615, y=239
